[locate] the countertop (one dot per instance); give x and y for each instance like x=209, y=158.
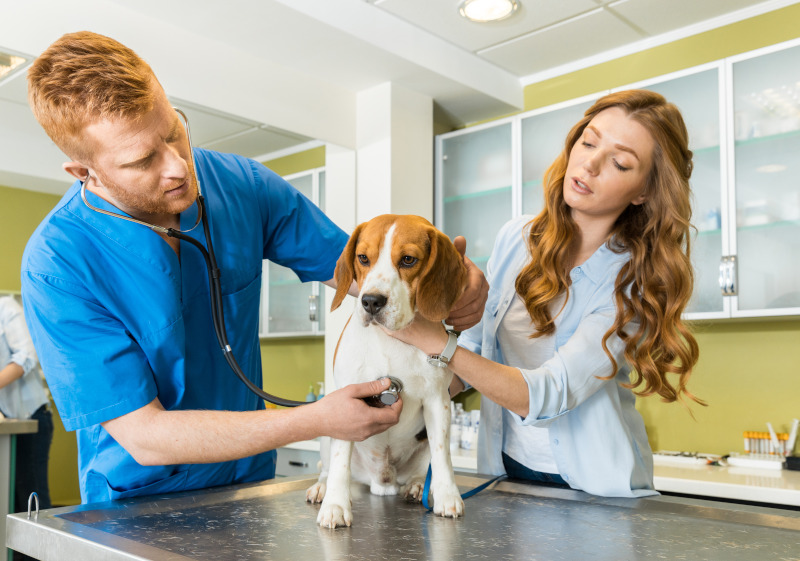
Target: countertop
x=18, y=426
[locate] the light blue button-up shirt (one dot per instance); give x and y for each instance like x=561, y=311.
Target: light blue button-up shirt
x=21, y=398
x=596, y=434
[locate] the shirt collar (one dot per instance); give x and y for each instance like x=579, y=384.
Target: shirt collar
x=597, y=267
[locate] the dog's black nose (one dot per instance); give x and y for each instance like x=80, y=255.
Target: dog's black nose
x=373, y=302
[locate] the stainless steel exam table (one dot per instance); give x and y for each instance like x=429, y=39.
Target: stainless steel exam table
x=512, y=521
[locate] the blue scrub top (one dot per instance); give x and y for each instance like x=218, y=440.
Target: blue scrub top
x=119, y=319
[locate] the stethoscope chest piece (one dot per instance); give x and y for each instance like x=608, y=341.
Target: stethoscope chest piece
x=387, y=397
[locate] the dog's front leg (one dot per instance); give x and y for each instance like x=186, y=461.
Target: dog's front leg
x=447, y=500
x=336, y=506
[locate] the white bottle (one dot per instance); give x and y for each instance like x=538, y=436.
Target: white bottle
x=455, y=426
x=466, y=432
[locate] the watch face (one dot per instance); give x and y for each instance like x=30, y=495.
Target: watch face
x=436, y=361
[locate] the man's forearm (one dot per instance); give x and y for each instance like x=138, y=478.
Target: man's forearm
x=154, y=436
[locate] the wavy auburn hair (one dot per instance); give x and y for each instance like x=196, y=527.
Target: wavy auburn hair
x=656, y=233
x=84, y=77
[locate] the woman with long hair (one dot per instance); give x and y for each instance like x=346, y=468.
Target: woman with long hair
x=585, y=304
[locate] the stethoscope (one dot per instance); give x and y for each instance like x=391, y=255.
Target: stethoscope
x=385, y=398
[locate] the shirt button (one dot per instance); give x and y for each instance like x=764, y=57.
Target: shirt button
x=555, y=441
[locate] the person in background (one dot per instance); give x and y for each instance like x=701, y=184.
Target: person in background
x=584, y=309
x=23, y=396
x=120, y=314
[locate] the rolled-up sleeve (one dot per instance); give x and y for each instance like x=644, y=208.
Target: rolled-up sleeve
x=574, y=373
x=16, y=333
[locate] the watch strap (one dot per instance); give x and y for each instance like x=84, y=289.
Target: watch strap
x=443, y=359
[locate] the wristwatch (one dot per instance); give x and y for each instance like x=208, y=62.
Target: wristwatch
x=443, y=359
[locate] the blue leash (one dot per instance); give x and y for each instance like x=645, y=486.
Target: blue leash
x=427, y=488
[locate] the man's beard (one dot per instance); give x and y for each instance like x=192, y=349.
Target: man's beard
x=151, y=204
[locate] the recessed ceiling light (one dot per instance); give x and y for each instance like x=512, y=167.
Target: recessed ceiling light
x=484, y=11
x=9, y=62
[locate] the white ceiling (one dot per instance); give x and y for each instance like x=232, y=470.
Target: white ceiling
x=261, y=77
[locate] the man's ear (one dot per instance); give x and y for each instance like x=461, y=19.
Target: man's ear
x=76, y=169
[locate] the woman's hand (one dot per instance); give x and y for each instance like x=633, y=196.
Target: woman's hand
x=428, y=336
x=468, y=310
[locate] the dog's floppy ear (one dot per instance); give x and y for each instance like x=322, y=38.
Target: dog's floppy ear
x=345, y=268
x=443, y=280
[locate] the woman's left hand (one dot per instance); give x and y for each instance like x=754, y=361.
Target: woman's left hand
x=428, y=336
x=468, y=310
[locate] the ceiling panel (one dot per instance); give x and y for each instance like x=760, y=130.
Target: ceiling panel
x=441, y=17
x=658, y=16
x=581, y=37
x=15, y=89
x=256, y=142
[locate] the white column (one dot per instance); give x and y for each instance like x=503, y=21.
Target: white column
x=394, y=133
x=389, y=171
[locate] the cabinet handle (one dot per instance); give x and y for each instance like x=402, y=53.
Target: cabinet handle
x=733, y=284
x=312, y=308
x=728, y=283
x=295, y=463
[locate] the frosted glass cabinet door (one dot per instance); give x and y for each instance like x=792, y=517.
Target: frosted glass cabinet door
x=543, y=138
x=285, y=299
x=766, y=113
x=288, y=302
x=476, y=188
x=697, y=96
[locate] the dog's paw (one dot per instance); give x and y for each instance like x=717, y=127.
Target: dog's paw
x=413, y=490
x=448, y=503
x=334, y=516
x=315, y=493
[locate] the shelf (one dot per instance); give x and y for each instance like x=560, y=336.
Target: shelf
x=705, y=150
x=477, y=194
x=288, y=282
x=767, y=138
x=769, y=226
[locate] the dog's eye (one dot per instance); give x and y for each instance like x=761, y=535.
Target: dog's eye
x=363, y=259
x=408, y=261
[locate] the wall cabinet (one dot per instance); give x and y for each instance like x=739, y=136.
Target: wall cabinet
x=743, y=117
x=289, y=307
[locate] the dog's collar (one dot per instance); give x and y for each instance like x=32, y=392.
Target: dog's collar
x=443, y=359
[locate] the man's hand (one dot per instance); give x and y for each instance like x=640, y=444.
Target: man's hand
x=468, y=310
x=348, y=417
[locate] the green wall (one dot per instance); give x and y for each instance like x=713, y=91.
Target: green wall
x=748, y=370
x=20, y=213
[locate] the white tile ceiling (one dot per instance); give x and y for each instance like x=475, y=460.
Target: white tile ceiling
x=260, y=76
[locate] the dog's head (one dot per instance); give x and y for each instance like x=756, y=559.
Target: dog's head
x=402, y=265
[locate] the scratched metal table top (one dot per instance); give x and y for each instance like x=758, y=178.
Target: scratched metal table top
x=512, y=521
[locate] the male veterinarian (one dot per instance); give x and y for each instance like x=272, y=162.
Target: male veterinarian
x=120, y=314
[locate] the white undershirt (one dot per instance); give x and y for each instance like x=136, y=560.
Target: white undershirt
x=527, y=445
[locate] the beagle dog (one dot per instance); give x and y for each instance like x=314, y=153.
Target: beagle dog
x=403, y=266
